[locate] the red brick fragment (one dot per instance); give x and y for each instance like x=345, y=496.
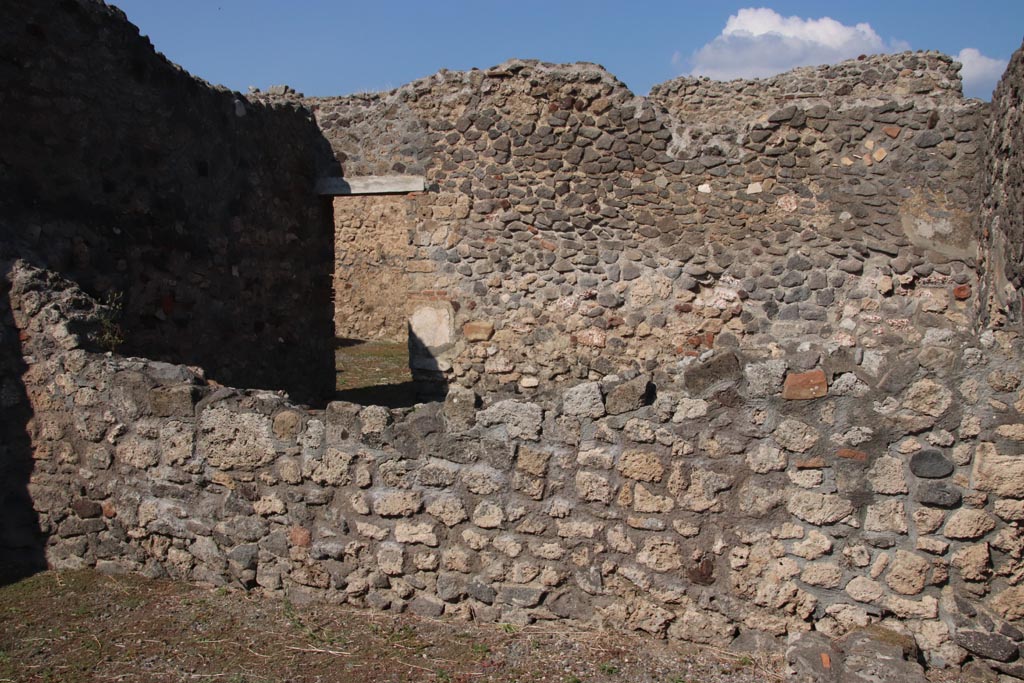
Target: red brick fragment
x=802, y=386
x=300, y=536
x=962, y=292
x=852, y=454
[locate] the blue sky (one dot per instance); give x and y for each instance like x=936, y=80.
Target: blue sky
x=325, y=47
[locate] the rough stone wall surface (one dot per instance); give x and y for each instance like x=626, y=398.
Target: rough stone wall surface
x=127, y=174
x=1003, y=224
x=747, y=499
x=21, y=551
x=596, y=231
x=906, y=76
x=711, y=378
x=373, y=253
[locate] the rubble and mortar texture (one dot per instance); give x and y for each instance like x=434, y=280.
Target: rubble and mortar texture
x=704, y=513
x=725, y=380
x=193, y=204
x=372, y=252
x=1003, y=215
x=597, y=231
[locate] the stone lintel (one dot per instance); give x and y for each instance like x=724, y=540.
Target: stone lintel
x=371, y=184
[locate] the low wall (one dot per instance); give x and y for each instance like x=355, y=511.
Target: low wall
x=744, y=497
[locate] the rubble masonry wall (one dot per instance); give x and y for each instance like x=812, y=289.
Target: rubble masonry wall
x=719, y=368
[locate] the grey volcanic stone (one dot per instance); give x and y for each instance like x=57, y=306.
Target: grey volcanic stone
x=782, y=115
x=851, y=265
x=87, y=509
x=803, y=657
x=583, y=400
x=481, y=591
x=522, y=419
x=931, y=464
x=939, y=495
x=629, y=395
x=880, y=656
x=928, y=138
x=722, y=367
x=765, y=378
x=451, y=587
x=900, y=264
x=570, y=604
x=865, y=656
x=988, y=645
x=521, y=596
x=426, y=606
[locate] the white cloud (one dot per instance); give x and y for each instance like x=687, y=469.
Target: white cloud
x=980, y=73
x=758, y=42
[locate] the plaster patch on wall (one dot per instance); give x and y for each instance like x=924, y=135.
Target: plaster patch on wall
x=930, y=221
x=431, y=333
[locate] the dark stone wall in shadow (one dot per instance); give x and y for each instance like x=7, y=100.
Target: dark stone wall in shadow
x=1002, y=221
x=21, y=540
x=188, y=204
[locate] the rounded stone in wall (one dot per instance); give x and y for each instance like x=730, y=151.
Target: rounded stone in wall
x=930, y=463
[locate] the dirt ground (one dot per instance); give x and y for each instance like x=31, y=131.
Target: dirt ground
x=84, y=626
x=362, y=364
x=374, y=373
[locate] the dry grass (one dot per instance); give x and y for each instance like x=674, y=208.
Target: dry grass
x=362, y=364
x=82, y=626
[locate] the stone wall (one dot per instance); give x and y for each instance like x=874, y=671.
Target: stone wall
x=717, y=370
x=745, y=501
x=192, y=204
x=596, y=231
x=1003, y=222
x=373, y=251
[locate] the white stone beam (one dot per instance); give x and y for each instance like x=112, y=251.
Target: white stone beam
x=371, y=184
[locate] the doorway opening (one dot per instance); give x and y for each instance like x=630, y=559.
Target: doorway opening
x=372, y=294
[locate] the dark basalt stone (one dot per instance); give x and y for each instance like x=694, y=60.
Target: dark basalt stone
x=720, y=368
x=938, y=495
x=987, y=645
x=931, y=464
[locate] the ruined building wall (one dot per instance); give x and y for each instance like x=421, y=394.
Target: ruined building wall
x=122, y=171
x=1002, y=224
x=373, y=250
x=746, y=501
x=710, y=379
x=597, y=231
